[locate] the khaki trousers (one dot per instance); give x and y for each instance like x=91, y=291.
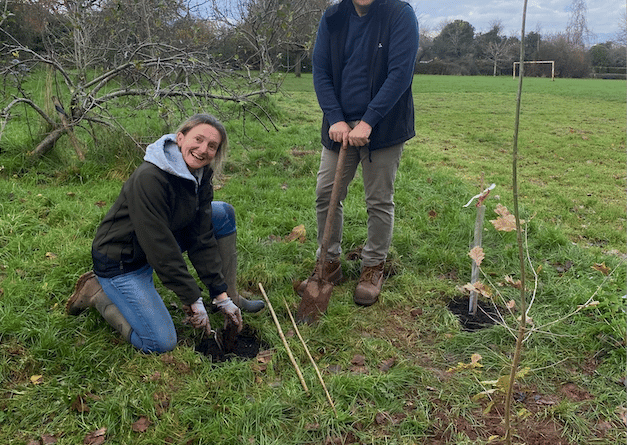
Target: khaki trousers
x=379, y=169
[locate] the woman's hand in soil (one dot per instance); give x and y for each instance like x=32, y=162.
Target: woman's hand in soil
x=232, y=313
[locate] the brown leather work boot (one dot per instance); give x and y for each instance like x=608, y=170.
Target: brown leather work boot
x=85, y=294
x=369, y=286
x=332, y=273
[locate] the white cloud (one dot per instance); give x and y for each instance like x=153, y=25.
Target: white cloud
x=544, y=16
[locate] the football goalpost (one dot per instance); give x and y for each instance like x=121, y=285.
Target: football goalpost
x=552, y=62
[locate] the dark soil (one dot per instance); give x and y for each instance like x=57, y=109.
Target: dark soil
x=484, y=318
x=246, y=345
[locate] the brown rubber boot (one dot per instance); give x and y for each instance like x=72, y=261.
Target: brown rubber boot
x=369, y=286
x=88, y=293
x=332, y=273
x=85, y=292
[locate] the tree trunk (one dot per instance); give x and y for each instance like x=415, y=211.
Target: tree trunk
x=47, y=144
x=298, y=64
x=68, y=128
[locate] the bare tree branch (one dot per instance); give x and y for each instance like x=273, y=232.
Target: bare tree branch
x=179, y=75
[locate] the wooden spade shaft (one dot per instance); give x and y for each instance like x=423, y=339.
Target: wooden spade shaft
x=317, y=293
x=333, y=203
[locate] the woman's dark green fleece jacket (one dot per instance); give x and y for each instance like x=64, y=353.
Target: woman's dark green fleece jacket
x=161, y=208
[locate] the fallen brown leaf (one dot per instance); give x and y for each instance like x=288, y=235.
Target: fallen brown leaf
x=387, y=364
x=36, y=379
x=265, y=356
x=358, y=360
x=601, y=268
x=96, y=437
x=141, y=425
x=359, y=370
x=162, y=403
x=417, y=312
x=381, y=418
x=298, y=234
x=79, y=405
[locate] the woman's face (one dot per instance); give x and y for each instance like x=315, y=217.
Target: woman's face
x=199, y=146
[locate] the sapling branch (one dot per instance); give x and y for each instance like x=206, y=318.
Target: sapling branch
x=523, y=318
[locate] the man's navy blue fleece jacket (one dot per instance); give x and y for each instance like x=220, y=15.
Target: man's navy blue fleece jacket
x=363, y=69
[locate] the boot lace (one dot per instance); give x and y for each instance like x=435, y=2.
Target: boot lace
x=371, y=274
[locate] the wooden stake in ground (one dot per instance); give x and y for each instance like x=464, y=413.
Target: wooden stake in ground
x=474, y=277
x=311, y=359
x=478, y=237
x=287, y=347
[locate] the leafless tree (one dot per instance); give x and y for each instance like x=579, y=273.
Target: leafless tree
x=269, y=28
x=621, y=36
x=577, y=31
x=89, y=89
x=499, y=51
x=494, y=46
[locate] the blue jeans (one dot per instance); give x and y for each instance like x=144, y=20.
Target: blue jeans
x=135, y=295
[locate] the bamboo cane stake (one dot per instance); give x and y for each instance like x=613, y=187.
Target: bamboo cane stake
x=313, y=362
x=287, y=347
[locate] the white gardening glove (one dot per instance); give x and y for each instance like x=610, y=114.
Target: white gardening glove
x=197, y=316
x=231, y=313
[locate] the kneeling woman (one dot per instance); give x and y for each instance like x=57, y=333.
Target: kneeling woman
x=164, y=209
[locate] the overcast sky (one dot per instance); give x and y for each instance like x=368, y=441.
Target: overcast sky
x=543, y=16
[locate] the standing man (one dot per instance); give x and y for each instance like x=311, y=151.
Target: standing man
x=363, y=67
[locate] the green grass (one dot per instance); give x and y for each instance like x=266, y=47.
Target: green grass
x=572, y=179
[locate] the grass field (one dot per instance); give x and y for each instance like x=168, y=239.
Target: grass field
x=400, y=372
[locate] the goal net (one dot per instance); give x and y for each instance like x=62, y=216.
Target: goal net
x=536, y=68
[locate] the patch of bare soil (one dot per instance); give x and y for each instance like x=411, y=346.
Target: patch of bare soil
x=245, y=345
x=485, y=316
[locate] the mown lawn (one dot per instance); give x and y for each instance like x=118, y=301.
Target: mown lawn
x=404, y=371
